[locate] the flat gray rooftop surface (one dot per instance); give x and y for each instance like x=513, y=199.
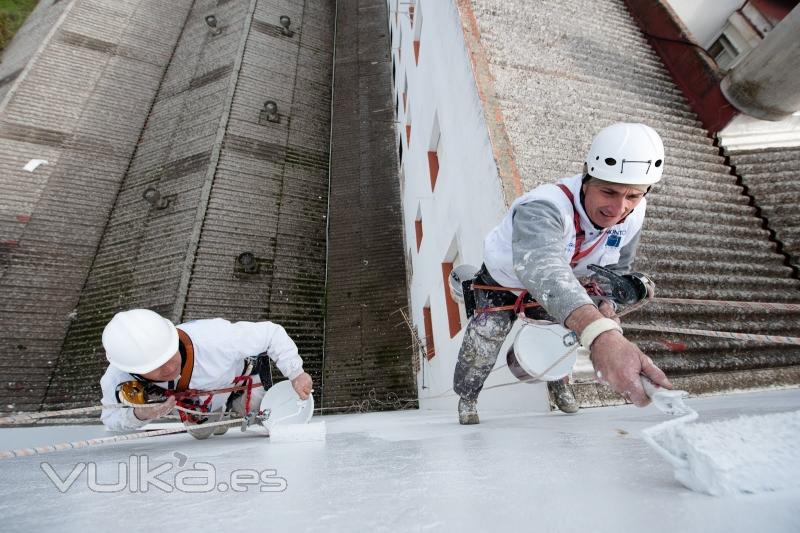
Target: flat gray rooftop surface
x=393, y=471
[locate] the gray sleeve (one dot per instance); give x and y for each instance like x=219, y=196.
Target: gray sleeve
x=538, y=250
x=627, y=256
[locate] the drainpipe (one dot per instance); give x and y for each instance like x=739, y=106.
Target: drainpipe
x=766, y=83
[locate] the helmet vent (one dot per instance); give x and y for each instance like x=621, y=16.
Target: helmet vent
x=610, y=161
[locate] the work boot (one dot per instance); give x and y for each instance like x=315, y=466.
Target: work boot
x=563, y=397
x=221, y=430
x=468, y=412
x=197, y=430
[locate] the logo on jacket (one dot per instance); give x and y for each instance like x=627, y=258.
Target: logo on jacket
x=614, y=238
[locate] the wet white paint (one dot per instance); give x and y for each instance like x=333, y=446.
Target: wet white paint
x=748, y=454
x=408, y=471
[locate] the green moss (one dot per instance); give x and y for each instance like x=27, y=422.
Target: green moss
x=12, y=14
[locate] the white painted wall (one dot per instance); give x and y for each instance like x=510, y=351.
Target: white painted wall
x=467, y=202
x=705, y=18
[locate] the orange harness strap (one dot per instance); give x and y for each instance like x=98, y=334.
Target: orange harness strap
x=188, y=365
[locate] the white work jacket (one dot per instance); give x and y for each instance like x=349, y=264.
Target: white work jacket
x=220, y=348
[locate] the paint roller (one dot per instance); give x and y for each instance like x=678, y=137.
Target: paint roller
x=748, y=454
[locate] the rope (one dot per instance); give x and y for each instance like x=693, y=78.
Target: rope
x=31, y=417
x=26, y=417
x=40, y=450
x=739, y=305
x=768, y=339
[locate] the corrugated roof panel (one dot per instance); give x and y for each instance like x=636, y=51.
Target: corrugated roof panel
x=367, y=355
x=771, y=177
x=269, y=197
x=81, y=106
x=143, y=254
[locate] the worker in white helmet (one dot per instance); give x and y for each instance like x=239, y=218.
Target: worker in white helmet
x=546, y=243
x=148, y=356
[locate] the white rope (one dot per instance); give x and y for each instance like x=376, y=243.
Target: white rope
x=733, y=304
x=40, y=450
x=766, y=339
x=31, y=417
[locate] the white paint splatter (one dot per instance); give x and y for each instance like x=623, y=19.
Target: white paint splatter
x=33, y=164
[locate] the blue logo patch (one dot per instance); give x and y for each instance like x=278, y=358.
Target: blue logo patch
x=613, y=241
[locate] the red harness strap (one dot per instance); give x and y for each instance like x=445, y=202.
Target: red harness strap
x=183, y=392
x=580, y=235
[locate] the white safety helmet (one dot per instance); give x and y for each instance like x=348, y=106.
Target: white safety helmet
x=627, y=153
x=139, y=341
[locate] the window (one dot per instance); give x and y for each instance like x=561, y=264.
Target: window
x=418, y=228
x=405, y=91
x=408, y=128
x=433, y=152
x=433, y=167
x=453, y=313
x=430, y=348
x=417, y=29
x=724, y=52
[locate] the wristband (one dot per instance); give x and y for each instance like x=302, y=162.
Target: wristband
x=593, y=330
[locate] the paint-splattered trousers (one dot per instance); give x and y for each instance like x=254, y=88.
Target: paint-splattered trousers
x=484, y=336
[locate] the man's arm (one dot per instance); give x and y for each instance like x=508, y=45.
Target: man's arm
x=117, y=418
x=250, y=338
x=541, y=265
x=540, y=261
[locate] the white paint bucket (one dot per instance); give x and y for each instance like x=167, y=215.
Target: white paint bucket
x=282, y=405
x=457, y=277
x=542, y=351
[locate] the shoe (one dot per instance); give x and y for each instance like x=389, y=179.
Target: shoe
x=196, y=429
x=563, y=396
x=468, y=412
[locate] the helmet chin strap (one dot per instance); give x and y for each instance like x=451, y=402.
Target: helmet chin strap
x=170, y=382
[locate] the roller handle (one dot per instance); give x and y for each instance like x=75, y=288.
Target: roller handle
x=650, y=388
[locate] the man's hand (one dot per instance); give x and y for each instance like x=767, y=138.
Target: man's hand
x=618, y=363
x=608, y=311
x=151, y=413
x=303, y=385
